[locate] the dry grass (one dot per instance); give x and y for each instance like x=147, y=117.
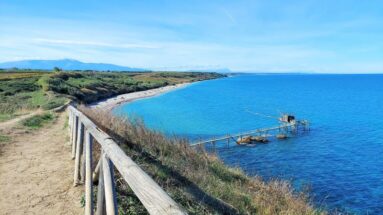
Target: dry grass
x=17, y=75
x=199, y=182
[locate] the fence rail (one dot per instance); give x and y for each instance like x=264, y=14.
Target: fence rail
x=83, y=132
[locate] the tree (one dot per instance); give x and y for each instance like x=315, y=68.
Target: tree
x=57, y=69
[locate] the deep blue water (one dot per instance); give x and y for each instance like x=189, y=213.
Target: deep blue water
x=340, y=160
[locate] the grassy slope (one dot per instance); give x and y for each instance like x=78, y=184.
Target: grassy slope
x=20, y=92
x=92, y=86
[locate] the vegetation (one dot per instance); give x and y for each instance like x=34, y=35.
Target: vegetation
x=38, y=121
x=5, y=117
x=199, y=182
x=89, y=87
x=20, y=92
x=24, y=90
x=4, y=138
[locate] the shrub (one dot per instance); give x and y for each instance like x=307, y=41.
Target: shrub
x=38, y=121
x=54, y=103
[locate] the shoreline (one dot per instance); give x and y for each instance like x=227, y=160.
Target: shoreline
x=110, y=103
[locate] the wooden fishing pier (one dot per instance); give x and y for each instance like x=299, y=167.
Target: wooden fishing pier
x=287, y=127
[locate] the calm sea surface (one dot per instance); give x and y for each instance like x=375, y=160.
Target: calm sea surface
x=340, y=160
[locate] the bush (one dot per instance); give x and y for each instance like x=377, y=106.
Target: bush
x=54, y=103
x=38, y=121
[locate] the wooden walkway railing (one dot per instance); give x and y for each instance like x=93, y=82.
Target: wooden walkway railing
x=83, y=132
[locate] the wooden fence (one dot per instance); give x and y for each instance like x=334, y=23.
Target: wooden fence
x=83, y=132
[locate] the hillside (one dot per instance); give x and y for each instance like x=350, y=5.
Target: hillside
x=29, y=90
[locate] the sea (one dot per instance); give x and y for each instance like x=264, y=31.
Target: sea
x=339, y=162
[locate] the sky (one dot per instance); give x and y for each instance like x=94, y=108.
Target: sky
x=326, y=36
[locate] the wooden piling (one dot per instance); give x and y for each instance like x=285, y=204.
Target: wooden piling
x=228, y=141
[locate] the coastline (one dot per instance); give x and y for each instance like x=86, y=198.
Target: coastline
x=111, y=103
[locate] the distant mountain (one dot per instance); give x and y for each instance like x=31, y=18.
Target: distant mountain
x=65, y=64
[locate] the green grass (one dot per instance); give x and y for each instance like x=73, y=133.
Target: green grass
x=38, y=121
x=87, y=87
x=36, y=89
x=4, y=138
x=20, y=92
x=5, y=117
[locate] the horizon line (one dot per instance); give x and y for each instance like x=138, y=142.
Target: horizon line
x=207, y=69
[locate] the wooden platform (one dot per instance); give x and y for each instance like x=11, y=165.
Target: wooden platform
x=285, y=127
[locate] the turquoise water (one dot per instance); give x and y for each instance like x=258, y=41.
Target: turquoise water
x=340, y=160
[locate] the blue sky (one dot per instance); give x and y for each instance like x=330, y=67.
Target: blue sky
x=267, y=36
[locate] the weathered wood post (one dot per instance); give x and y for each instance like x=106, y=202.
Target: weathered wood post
x=74, y=135
x=79, y=147
x=101, y=210
x=70, y=125
x=110, y=193
x=83, y=162
x=88, y=174
x=96, y=171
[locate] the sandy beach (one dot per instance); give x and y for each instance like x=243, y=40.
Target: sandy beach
x=113, y=102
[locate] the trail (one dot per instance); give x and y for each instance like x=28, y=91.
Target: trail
x=36, y=171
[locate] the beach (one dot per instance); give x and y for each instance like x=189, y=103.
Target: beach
x=110, y=103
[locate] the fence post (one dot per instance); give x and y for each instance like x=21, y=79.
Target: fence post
x=70, y=119
x=110, y=193
x=80, y=140
x=74, y=135
x=88, y=174
x=100, y=191
x=83, y=162
x=96, y=171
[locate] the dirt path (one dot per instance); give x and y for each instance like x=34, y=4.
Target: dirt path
x=36, y=172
